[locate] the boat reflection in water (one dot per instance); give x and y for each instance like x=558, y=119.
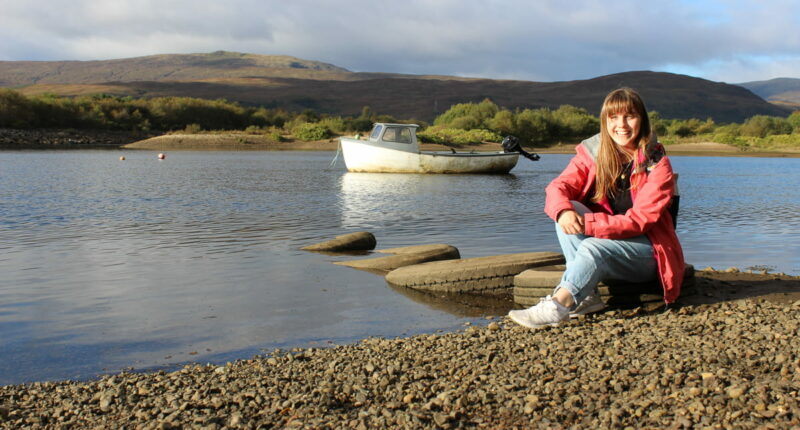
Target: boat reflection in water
x=414, y=209
x=387, y=200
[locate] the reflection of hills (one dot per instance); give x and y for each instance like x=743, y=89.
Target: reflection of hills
x=296, y=84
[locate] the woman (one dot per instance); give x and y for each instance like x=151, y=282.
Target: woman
x=611, y=206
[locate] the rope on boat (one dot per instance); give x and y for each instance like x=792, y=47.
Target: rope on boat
x=336, y=157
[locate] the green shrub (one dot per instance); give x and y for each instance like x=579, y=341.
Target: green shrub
x=16, y=110
x=308, y=131
x=269, y=117
x=530, y=125
x=571, y=122
x=335, y=124
x=276, y=136
x=159, y=113
x=193, y=128
x=657, y=124
x=361, y=123
x=794, y=121
x=680, y=129
x=763, y=126
x=254, y=129
x=777, y=141
x=468, y=116
x=729, y=130
x=705, y=127
x=534, y=126
x=445, y=135
x=730, y=139
x=688, y=127
x=503, y=122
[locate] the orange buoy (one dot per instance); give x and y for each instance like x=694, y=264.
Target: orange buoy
x=122, y=158
x=161, y=156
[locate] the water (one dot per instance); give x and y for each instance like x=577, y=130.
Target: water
x=108, y=264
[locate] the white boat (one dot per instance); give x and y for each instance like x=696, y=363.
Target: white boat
x=393, y=148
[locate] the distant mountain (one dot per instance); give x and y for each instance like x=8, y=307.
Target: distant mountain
x=169, y=67
x=295, y=84
x=784, y=91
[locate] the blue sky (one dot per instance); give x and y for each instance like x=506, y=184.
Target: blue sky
x=730, y=41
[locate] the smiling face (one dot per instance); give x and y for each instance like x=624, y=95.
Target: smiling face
x=624, y=128
x=623, y=121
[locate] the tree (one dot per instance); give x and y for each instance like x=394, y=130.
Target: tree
x=16, y=111
x=763, y=126
x=468, y=116
x=534, y=126
x=794, y=121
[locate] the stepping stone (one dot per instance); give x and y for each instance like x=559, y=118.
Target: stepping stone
x=533, y=284
x=486, y=275
x=359, y=241
x=404, y=256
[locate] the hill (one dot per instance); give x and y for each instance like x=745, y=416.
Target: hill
x=296, y=84
x=783, y=91
x=168, y=67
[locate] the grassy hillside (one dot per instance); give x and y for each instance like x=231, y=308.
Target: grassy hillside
x=295, y=84
x=169, y=67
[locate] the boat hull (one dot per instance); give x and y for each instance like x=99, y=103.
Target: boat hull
x=360, y=156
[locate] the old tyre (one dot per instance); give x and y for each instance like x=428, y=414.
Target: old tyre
x=533, y=284
x=493, y=274
x=405, y=256
x=359, y=241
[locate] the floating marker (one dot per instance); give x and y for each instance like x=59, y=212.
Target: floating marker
x=161, y=156
x=122, y=158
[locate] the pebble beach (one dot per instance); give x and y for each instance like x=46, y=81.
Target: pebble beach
x=727, y=358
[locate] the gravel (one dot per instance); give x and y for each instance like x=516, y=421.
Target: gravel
x=733, y=364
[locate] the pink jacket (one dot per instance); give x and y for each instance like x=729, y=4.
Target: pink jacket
x=649, y=214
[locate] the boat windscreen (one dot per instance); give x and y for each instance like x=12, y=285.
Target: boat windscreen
x=376, y=131
x=397, y=134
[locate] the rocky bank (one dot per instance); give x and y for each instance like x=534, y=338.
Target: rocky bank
x=65, y=138
x=719, y=361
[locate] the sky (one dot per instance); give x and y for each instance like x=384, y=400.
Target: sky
x=538, y=40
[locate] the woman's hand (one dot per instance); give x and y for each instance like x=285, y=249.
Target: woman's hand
x=570, y=222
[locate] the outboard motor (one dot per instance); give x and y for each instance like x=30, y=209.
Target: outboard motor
x=511, y=144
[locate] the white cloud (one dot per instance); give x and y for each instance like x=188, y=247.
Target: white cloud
x=547, y=40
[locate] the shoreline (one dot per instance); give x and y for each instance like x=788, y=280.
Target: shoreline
x=244, y=141
x=727, y=356
x=21, y=139
x=240, y=141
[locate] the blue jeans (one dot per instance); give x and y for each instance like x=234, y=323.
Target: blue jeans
x=591, y=260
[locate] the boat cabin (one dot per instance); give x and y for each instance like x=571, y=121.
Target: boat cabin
x=402, y=137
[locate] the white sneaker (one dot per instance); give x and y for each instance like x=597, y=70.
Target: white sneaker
x=592, y=303
x=547, y=312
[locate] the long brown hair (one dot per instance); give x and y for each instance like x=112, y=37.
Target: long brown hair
x=610, y=158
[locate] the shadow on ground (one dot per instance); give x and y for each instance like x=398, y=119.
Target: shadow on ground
x=716, y=287
x=710, y=287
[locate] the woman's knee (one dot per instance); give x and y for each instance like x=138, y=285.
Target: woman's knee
x=592, y=247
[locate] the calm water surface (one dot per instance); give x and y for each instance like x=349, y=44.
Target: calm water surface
x=108, y=264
